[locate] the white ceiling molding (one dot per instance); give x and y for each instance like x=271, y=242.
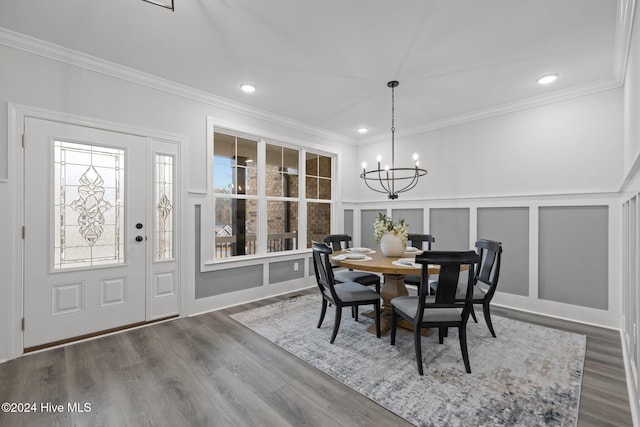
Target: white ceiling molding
x=574, y=92
x=78, y=59
x=624, y=26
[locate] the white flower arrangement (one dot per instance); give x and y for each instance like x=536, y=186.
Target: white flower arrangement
x=384, y=224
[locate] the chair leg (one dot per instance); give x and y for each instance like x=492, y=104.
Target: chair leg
x=418, y=344
x=323, y=311
x=442, y=332
x=376, y=307
x=487, y=318
x=355, y=311
x=336, y=324
x=473, y=314
x=394, y=324
x=462, y=333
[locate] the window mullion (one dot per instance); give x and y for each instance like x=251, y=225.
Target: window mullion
x=302, y=194
x=262, y=199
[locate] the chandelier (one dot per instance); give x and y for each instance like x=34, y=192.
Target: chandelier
x=167, y=4
x=391, y=180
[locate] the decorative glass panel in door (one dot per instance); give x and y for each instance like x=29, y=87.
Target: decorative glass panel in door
x=89, y=205
x=164, y=202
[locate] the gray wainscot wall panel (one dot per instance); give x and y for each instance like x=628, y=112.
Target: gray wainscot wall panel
x=511, y=227
x=348, y=222
x=450, y=227
x=282, y=271
x=367, y=218
x=413, y=217
x=223, y=281
x=574, y=255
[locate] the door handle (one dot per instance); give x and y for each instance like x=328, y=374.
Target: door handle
x=139, y=238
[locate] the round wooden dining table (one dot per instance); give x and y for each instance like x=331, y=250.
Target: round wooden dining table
x=393, y=284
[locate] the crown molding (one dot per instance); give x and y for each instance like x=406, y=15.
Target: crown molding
x=624, y=27
x=537, y=101
x=58, y=53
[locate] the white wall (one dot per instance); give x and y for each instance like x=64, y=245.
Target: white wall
x=630, y=265
x=569, y=147
x=632, y=110
x=37, y=81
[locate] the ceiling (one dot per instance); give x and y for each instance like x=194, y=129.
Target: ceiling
x=326, y=63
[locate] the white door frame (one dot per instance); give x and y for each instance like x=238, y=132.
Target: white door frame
x=16, y=118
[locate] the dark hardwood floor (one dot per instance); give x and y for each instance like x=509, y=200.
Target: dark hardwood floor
x=209, y=370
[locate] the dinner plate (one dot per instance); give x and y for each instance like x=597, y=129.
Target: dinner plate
x=412, y=249
x=352, y=257
x=406, y=262
x=359, y=250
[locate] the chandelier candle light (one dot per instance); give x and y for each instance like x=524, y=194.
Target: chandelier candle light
x=391, y=180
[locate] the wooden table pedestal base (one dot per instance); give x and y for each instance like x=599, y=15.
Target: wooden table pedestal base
x=392, y=287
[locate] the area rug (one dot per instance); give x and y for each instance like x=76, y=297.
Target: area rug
x=528, y=376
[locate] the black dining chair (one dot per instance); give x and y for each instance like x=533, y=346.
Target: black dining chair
x=340, y=242
x=345, y=294
x=418, y=241
x=486, y=279
x=441, y=310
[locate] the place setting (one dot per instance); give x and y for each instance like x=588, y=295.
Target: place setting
x=355, y=254
x=352, y=257
x=360, y=250
x=406, y=262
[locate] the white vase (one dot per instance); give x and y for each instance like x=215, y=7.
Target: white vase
x=392, y=245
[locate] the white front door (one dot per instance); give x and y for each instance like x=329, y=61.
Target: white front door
x=85, y=230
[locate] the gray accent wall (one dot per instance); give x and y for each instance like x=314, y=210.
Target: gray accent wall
x=450, y=228
x=511, y=227
x=574, y=255
x=413, y=217
x=348, y=222
x=211, y=283
x=282, y=271
x=367, y=218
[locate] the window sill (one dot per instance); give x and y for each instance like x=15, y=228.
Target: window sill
x=247, y=260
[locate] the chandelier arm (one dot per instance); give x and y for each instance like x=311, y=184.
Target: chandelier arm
x=363, y=176
x=382, y=180
x=416, y=177
x=412, y=184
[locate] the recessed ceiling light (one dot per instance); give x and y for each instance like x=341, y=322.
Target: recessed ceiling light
x=549, y=78
x=363, y=130
x=247, y=87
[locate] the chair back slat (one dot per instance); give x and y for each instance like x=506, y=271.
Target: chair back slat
x=450, y=263
x=322, y=268
x=418, y=240
x=338, y=242
x=447, y=284
x=488, y=272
